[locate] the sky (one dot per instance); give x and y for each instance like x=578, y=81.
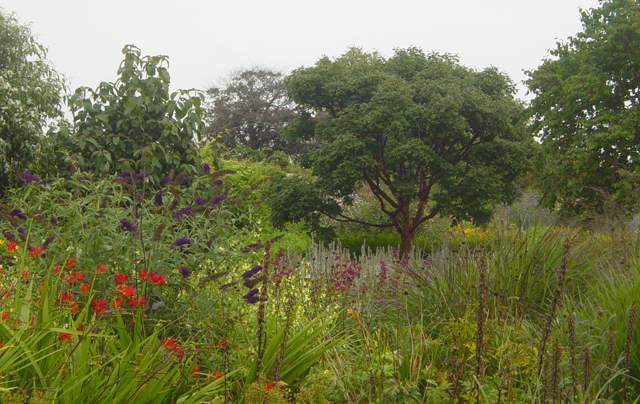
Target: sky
x=206, y=40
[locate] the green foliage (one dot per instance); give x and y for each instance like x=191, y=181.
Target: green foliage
x=585, y=111
x=29, y=95
x=134, y=124
x=427, y=135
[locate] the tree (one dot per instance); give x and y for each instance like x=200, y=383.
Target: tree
x=427, y=135
x=586, y=111
x=30, y=94
x=249, y=108
x=134, y=123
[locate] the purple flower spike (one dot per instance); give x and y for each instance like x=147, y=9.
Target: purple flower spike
x=217, y=183
x=20, y=230
x=206, y=168
x=9, y=236
x=252, y=271
x=10, y=264
x=215, y=200
x=200, y=202
x=157, y=199
x=252, y=297
x=247, y=283
x=124, y=174
x=142, y=176
x=165, y=180
x=28, y=178
x=184, y=180
x=184, y=271
x=18, y=213
x=183, y=211
x=227, y=285
x=181, y=241
x=53, y=220
x=127, y=225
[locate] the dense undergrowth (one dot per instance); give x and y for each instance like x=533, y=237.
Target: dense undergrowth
x=115, y=292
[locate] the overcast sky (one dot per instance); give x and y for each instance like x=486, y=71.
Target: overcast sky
x=206, y=39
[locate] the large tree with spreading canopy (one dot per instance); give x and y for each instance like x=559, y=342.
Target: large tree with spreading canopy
x=426, y=134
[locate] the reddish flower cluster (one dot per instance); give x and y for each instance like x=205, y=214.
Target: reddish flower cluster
x=171, y=345
x=98, y=307
x=156, y=279
x=65, y=336
x=101, y=268
x=12, y=246
x=121, y=279
x=35, y=251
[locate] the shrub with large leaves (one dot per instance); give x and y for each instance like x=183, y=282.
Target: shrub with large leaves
x=134, y=123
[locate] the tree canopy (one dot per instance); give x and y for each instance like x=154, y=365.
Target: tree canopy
x=30, y=94
x=586, y=111
x=134, y=123
x=426, y=134
x=248, y=109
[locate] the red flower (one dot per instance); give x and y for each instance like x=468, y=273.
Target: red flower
x=4, y=315
x=98, y=307
x=56, y=269
x=158, y=279
x=144, y=276
x=80, y=327
x=77, y=276
x=142, y=301
x=24, y=274
x=35, y=252
x=65, y=337
x=216, y=375
x=12, y=246
x=117, y=303
x=65, y=296
x=101, y=268
x=125, y=290
x=71, y=263
x=268, y=386
x=121, y=278
x=84, y=288
x=73, y=308
x=133, y=302
x=169, y=343
x=195, y=370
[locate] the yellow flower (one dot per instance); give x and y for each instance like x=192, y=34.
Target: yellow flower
x=352, y=314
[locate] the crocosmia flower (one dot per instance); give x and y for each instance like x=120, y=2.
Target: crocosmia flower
x=101, y=268
x=65, y=336
x=98, y=307
x=35, y=251
x=158, y=279
x=121, y=279
x=12, y=246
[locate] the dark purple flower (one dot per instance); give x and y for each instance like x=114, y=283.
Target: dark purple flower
x=181, y=241
x=250, y=247
x=183, y=211
x=30, y=178
x=184, y=180
x=206, y=168
x=165, y=180
x=10, y=264
x=209, y=243
x=124, y=174
x=53, y=220
x=9, y=236
x=18, y=214
x=251, y=296
x=200, y=202
x=217, y=183
x=252, y=271
x=227, y=285
x=20, y=230
x=247, y=282
x=127, y=225
x=157, y=199
x=184, y=271
x=215, y=200
x=142, y=176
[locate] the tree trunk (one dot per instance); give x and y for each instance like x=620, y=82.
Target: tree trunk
x=406, y=243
